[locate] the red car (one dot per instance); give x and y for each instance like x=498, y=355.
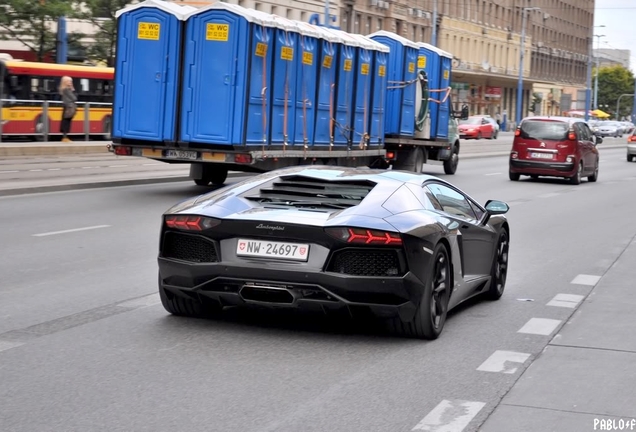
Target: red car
x=555, y=147
x=476, y=127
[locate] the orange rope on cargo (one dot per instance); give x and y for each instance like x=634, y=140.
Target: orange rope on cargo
x=447, y=92
x=365, y=135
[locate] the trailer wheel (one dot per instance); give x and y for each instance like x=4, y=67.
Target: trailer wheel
x=450, y=165
x=204, y=174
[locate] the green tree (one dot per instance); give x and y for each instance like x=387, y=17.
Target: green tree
x=613, y=81
x=101, y=14
x=32, y=22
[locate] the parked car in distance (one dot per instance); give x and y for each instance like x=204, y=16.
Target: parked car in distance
x=554, y=147
x=631, y=146
x=477, y=127
x=628, y=127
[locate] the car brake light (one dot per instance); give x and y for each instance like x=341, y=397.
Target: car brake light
x=191, y=223
x=390, y=155
x=123, y=151
x=517, y=132
x=572, y=136
x=365, y=236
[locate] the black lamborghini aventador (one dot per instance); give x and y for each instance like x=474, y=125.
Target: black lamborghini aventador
x=406, y=246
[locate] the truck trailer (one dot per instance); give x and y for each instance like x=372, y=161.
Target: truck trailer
x=226, y=88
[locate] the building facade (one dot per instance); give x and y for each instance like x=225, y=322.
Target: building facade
x=612, y=57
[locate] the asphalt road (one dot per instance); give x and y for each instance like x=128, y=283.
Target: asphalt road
x=86, y=346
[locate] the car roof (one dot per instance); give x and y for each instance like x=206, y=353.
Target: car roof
x=327, y=172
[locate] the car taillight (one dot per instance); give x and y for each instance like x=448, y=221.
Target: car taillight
x=191, y=223
x=365, y=236
x=572, y=136
x=517, y=132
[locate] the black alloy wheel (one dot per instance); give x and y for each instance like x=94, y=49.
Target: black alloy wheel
x=440, y=292
x=499, y=273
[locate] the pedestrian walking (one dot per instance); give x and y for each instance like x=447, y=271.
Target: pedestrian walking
x=69, y=99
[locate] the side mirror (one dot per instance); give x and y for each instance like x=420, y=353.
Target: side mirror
x=598, y=140
x=494, y=207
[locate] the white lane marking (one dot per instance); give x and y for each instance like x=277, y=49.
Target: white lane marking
x=497, y=362
x=54, y=169
x=609, y=182
x=492, y=174
x=6, y=345
x=35, y=170
x=540, y=326
x=5, y=172
x=584, y=279
x=90, y=167
x=565, y=300
x=145, y=301
x=70, y=230
x=549, y=195
x=153, y=164
x=116, y=166
x=450, y=416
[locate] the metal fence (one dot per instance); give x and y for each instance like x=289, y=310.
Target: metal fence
x=42, y=127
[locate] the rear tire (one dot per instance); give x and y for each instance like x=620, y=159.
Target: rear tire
x=450, y=165
x=594, y=176
x=630, y=158
x=202, y=182
x=513, y=176
x=181, y=306
x=430, y=315
x=499, y=272
x=576, y=178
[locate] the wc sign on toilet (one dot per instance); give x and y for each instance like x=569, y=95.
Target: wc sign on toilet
x=148, y=31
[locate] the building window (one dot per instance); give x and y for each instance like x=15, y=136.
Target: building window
x=356, y=24
x=380, y=24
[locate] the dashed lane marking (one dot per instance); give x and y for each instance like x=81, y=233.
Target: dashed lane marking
x=540, y=326
x=450, y=416
x=566, y=300
x=493, y=174
x=6, y=172
x=500, y=361
x=70, y=230
x=584, y=279
x=549, y=195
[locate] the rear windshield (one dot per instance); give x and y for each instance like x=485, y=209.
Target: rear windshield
x=544, y=130
x=471, y=121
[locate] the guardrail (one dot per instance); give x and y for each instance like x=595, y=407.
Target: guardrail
x=41, y=111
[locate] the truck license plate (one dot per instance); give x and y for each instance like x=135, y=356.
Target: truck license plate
x=182, y=154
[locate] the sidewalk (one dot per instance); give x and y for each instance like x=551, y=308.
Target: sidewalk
x=585, y=379
x=469, y=148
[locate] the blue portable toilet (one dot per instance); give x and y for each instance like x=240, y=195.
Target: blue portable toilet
x=309, y=52
x=444, y=84
x=286, y=63
x=345, y=89
x=378, y=92
x=227, y=68
x=363, y=79
x=147, y=71
x=426, y=107
x=326, y=92
x=400, y=103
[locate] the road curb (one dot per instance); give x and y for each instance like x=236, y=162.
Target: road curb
x=54, y=150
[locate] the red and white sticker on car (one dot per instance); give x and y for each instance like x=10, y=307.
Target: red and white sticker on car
x=272, y=249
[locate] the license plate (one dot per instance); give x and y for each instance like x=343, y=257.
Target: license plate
x=182, y=154
x=272, y=249
x=542, y=155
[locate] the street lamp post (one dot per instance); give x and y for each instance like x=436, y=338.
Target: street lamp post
x=521, y=56
x=618, y=104
x=598, y=46
x=588, y=81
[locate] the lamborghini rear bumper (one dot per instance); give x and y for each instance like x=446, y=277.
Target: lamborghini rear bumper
x=250, y=284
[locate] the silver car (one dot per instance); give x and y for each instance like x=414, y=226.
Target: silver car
x=609, y=128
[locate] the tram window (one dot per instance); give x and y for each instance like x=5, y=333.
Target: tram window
x=85, y=85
